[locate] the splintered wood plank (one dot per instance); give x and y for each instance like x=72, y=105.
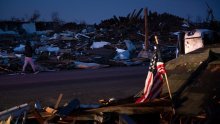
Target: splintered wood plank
x=77, y=117
x=58, y=101
x=132, y=110
x=38, y=117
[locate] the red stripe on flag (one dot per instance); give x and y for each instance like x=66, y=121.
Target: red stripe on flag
x=148, y=84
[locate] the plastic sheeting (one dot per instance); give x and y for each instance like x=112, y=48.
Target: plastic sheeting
x=99, y=44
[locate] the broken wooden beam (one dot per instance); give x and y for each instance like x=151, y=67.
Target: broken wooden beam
x=131, y=110
x=85, y=117
x=38, y=117
x=58, y=101
x=154, y=106
x=14, y=111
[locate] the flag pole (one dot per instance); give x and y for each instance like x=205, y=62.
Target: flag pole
x=166, y=79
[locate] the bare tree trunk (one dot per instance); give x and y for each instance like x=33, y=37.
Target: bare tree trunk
x=146, y=28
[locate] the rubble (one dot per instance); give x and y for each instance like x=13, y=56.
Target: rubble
x=121, y=38
x=114, y=42
x=84, y=65
x=191, y=71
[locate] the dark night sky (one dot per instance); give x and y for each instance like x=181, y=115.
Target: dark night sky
x=93, y=11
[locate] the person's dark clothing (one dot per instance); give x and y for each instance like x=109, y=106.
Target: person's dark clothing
x=28, y=51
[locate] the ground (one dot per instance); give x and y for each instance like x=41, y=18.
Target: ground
x=86, y=85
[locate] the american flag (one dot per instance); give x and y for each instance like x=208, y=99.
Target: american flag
x=154, y=80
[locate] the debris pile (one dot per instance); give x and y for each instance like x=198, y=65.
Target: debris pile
x=106, y=111
x=193, y=100
x=114, y=42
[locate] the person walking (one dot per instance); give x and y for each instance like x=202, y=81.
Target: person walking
x=28, y=57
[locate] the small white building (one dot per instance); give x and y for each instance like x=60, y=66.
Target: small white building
x=196, y=39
